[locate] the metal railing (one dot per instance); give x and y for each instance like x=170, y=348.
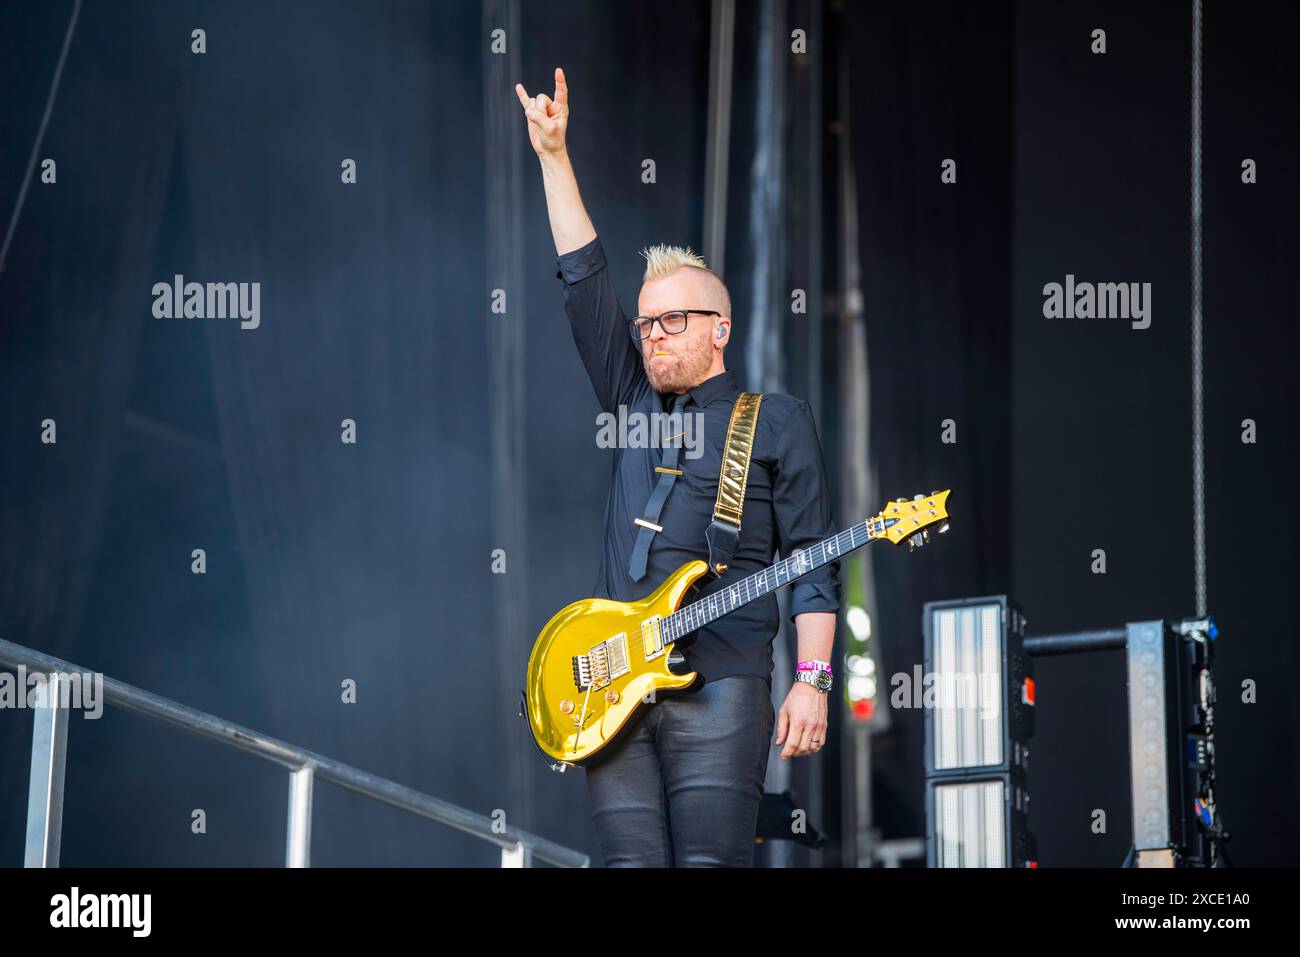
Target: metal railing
x=49, y=750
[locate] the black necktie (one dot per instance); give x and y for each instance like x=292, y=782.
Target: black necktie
x=668, y=473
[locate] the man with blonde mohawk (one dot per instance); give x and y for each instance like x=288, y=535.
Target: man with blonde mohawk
x=682, y=787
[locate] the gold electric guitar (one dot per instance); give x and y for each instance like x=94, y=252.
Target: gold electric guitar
x=597, y=661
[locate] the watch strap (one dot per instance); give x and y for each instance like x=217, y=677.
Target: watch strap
x=812, y=678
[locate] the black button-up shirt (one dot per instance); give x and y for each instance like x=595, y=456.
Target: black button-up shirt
x=787, y=502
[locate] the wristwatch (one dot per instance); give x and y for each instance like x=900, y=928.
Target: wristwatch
x=815, y=673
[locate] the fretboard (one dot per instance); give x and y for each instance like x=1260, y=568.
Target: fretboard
x=696, y=615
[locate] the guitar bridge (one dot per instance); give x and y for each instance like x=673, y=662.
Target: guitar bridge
x=602, y=664
x=581, y=672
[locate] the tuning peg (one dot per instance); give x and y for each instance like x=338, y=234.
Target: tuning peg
x=917, y=498
x=911, y=544
x=932, y=494
x=925, y=536
x=943, y=528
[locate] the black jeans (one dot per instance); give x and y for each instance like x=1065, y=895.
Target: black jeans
x=681, y=789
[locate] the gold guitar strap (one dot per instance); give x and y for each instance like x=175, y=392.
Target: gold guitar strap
x=723, y=533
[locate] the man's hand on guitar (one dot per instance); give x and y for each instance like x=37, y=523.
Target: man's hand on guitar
x=548, y=119
x=801, y=724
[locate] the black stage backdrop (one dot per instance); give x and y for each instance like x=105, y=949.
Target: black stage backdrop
x=932, y=83
x=372, y=562
x=1075, y=435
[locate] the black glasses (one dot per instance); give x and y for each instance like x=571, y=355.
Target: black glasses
x=672, y=322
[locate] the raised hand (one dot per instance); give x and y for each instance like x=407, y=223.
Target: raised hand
x=548, y=118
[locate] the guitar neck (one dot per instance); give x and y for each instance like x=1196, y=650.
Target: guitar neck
x=696, y=615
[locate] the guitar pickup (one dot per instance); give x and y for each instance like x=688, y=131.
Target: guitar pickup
x=616, y=651
x=652, y=639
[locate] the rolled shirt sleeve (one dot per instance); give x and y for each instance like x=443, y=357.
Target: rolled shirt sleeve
x=801, y=501
x=600, y=327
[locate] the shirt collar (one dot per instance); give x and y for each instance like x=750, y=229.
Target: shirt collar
x=724, y=383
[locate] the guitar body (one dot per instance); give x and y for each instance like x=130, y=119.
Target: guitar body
x=597, y=663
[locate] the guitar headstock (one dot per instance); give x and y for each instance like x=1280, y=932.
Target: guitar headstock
x=910, y=519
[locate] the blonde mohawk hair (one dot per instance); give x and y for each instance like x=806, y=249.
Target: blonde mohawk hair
x=663, y=259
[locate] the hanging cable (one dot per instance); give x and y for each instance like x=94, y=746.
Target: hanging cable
x=40, y=134
x=1198, y=401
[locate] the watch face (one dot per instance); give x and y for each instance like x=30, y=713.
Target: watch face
x=822, y=680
